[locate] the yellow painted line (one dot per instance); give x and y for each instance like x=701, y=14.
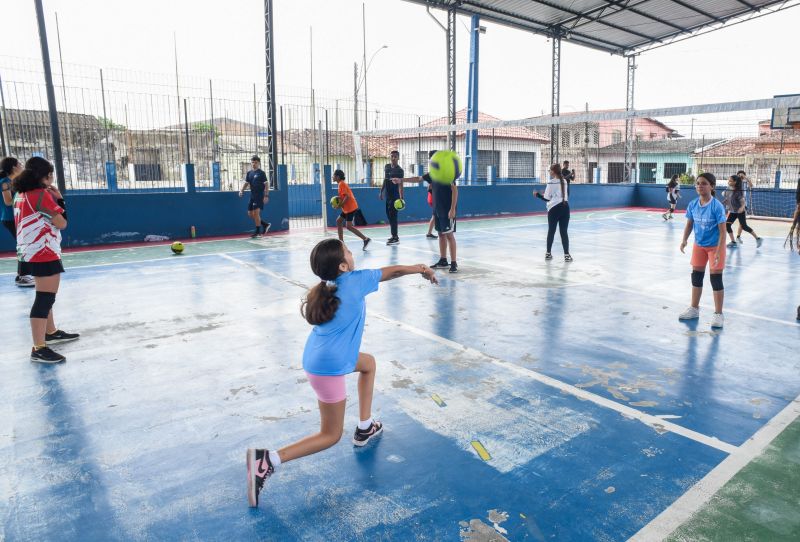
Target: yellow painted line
x=481, y=450
x=438, y=400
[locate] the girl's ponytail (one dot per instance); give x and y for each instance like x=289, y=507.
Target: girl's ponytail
x=321, y=302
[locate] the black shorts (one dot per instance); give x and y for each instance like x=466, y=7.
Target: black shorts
x=255, y=203
x=11, y=227
x=443, y=223
x=672, y=199
x=348, y=217
x=40, y=269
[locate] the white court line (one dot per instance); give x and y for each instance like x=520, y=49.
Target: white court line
x=567, y=282
x=690, y=502
x=629, y=412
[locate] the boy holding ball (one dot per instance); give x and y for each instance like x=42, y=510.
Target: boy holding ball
x=349, y=206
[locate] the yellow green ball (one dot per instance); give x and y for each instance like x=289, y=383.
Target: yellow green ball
x=399, y=204
x=445, y=167
x=335, y=202
x=177, y=247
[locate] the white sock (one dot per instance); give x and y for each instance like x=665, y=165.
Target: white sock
x=274, y=458
x=365, y=424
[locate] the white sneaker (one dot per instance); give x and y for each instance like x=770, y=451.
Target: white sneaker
x=692, y=313
x=25, y=281
x=717, y=320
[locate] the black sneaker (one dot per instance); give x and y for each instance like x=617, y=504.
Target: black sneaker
x=548, y=256
x=259, y=468
x=266, y=226
x=453, y=267
x=431, y=236
x=59, y=336
x=798, y=312
x=366, y=242
x=393, y=241
x=46, y=355
x=567, y=258
x=441, y=264
x=360, y=438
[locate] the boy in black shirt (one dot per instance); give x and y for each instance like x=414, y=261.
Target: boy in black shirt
x=392, y=192
x=259, y=195
x=445, y=200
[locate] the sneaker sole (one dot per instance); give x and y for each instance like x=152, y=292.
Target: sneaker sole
x=45, y=362
x=59, y=341
x=29, y=285
x=361, y=443
x=689, y=317
x=251, y=482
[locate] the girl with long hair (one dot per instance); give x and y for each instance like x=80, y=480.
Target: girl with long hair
x=557, y=198
x=736, y=211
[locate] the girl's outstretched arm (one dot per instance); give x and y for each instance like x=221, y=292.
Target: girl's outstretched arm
x=397, y=271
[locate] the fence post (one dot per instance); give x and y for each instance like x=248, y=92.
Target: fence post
x=491, y=175
x=187, y=170
x=326, y=181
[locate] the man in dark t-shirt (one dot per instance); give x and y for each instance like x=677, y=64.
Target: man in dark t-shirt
x=391, y=192
x=256, y=179
x=445, y=200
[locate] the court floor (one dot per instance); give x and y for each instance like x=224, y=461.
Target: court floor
x=522, y=399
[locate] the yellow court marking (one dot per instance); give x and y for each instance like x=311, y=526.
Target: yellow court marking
x=481, y=450
x=438, y=400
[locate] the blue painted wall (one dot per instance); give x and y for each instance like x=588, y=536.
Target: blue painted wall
x=765, y=201
x=490, y=200
x=116, y=218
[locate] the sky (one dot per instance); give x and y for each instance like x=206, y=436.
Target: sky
x=225, y=40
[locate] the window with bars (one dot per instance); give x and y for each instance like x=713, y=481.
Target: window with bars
x=673, y=168
x=486, y=159
x=521, y=165
x=596, y=137
x=576, y=139
x=647, y=172
x=565, y=139
x=616, y=172
x=422, y=158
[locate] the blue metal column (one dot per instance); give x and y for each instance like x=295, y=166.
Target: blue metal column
x=471, y=151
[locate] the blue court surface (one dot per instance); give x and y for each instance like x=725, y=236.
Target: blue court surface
x=522, y=399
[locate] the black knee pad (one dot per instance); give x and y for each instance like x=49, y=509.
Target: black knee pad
x=716, y=282
x=697, y=278
x=42, y=304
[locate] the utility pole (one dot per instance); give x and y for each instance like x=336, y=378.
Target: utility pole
x=51, y=98
x=364, y=35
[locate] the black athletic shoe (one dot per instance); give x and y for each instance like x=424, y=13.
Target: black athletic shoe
x=266, y=226
x=548, y=256
x=366, y=242
x=453, y=267
x=259, y=468
x=59, y=336
x=798, y=312
x=360, y=438
x=46, y=355
x=393, y=241
x=441, y=264
x=567, y=258
x=431, y=236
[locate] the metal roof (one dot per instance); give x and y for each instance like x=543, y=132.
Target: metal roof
x=621, y=27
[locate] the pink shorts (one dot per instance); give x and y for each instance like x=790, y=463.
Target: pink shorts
x=705, y=255
x=330, y=389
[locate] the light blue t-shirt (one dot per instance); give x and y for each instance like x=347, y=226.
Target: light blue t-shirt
x=332, y=348
x=707, y=219
x=7, y=213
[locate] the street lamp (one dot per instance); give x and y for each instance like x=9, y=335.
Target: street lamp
x=357, y=86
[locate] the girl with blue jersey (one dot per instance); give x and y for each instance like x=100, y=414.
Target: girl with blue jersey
x=705, y=216
x=336, y=307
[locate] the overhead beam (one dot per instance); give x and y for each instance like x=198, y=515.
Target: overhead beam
x=451, y=76
x=624, y=7
x=696, y=10
x=590, y=18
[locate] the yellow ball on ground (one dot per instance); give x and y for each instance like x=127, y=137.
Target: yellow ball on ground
x=445, y=167
x=177, y=247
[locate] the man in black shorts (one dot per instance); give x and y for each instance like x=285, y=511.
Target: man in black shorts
x=445, y=200
x=259, y=195
x=392, y=193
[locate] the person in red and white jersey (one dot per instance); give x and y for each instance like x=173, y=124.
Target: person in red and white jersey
x=39, y=216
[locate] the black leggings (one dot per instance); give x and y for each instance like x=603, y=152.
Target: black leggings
x=391, y=214
x=558, y=215
x=742, y=220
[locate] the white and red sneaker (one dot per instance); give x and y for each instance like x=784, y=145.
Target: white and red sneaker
x=259, y=468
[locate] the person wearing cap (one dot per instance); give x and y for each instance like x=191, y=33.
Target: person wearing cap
x=259, y=195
